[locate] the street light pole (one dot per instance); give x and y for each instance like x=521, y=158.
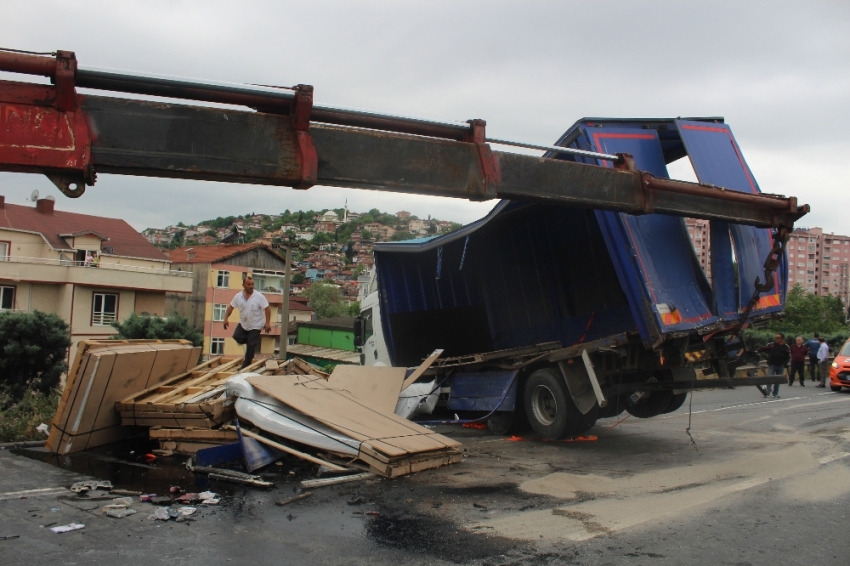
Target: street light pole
x=284, y=310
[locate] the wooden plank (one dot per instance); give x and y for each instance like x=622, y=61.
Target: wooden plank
x=323, y=482
x=204, y=367
x=201, y=434
x=167, y=363
x=375, y=386
x=421, y=369
x=192, y=382
x=130, y=371
x=287, y=449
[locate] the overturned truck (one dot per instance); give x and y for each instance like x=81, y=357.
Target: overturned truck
x=555, y=316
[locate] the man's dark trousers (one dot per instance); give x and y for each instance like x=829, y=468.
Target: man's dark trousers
x=797, y=367
x=814, y=373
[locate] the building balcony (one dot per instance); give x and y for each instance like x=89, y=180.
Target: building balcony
x=119, y=276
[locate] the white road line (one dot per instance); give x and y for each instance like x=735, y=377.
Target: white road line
x=32, y=493
x=833, y=457
x=756, y=403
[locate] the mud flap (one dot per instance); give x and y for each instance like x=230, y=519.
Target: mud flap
x=578, y=384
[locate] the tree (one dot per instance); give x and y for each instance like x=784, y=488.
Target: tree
x=320, y=238
x=297, y=279
x=326, y=299
x=366, y=234
x=401, y=236
x=358, y=270
x=354, y=308
x=33, y=347
x=146, y=327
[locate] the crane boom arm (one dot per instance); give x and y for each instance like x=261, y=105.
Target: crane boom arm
x=51, y=129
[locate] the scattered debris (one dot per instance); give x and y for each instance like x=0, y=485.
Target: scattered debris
x=120, y=513
x=9, y=537
x=147, y=497
x=67, y=528
x=224, y=474
x=304, y=495
x=86, y=486
x=124, y=492
x=43, y=429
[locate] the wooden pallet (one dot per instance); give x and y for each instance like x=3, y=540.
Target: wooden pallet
x=195, y=399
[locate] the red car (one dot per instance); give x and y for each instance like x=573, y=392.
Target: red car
x=839, y=371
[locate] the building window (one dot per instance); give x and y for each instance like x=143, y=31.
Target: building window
x=104, y=309
x=223, y=279
x=218, y=312
x=7, y=298
x=217, y=347
x=4, y=251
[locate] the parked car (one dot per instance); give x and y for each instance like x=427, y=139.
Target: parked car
x=839, y=371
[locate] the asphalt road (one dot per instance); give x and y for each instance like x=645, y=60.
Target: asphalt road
x=756, y=482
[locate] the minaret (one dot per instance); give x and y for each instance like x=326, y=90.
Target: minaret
x=345, y=214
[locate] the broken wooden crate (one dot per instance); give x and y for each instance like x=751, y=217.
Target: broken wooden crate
x=196, y=399
x=103, y=372
x=190, y=440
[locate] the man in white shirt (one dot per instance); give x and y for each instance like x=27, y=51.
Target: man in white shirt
x=823, y=361
x=254, y=316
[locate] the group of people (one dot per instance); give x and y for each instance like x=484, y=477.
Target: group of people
x=780, y=354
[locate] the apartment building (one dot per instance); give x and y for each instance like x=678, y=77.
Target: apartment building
x=218, y=275
x=820, y=262
x=700, y=234
x=89, y=270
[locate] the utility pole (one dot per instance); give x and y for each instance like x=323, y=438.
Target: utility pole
x=284, y=310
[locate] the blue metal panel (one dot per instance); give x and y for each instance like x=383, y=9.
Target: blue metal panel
x=653, y=254
x=483, y=391
x=538, y=273
x=718, y=160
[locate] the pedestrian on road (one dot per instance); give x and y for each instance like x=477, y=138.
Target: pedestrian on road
x=254, y=316
x=799, y=352
x=778, y=356
x=813, y=345
x=823, y=361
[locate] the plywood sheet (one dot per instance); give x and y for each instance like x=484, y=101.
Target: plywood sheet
x=377, y=387
x=103, y=372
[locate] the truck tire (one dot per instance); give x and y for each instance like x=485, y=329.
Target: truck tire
x=615, y=407
x=652, y=404
x=507, y=422
x=548, y=405
x=677, y=401
x=587, y=420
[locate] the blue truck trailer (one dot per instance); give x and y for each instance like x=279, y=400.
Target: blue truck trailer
x=555, y=316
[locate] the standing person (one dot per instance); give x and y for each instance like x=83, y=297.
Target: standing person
x=778, y=356
x=799, y=352
x=254, y=316
x=823, y=361
x=813, y=345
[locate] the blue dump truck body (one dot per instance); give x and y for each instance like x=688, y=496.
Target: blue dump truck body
x=628, y=287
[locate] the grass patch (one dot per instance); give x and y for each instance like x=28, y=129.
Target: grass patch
x=19, y=419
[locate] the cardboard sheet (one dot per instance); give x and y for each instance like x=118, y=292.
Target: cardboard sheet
x=375, y=386
x=385, y=432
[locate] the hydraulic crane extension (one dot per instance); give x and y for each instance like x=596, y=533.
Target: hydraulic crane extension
x=68, y=136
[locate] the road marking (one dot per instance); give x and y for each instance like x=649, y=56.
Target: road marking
x=756, y=403
x=833, y=457
x=32, y=492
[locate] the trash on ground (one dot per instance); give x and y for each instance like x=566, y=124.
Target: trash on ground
x=43, y=429
x=85, y=486
x=161, y=514
x=9, y=537
x=125, y=492
x=228, y=475
x=120, y=513
x=68, y=527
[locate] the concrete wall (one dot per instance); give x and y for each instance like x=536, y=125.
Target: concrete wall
x=151, y=303
x=23, y=244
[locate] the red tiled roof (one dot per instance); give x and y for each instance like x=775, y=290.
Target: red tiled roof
x=298, y=306
x=123, y=239
x=215, y=254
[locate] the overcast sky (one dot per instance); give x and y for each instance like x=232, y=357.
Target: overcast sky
x=779, y=72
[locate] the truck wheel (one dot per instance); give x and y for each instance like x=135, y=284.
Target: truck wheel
x=550, y=409
x=677, y=401
x=653, y=404
x=616, y=405
x=587, y=420
x=507, y=422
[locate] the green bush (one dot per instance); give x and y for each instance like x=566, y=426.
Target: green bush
x=33, y=350
x=145, y=327
x=19, y=418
